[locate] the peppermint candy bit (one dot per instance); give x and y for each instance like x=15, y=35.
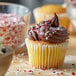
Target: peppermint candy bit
x=38, y=25
x=24, y=70
x=44, y=25
x=54, y=72
x=37, y=28
x=39, y=72
x=43, y=69
x=73, y=64
x=62, y=73
x=41, y=33
x=30, y=71
x=17, y=69
x=73, y=73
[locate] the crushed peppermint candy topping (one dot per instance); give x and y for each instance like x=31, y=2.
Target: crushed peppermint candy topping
x=38, y=25
x=41, y=33
x=11, y=27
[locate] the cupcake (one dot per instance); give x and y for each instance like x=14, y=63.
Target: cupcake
x=6, y=55
x=47, y=44
x=41, y=14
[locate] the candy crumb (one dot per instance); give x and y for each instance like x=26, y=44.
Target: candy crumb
x=30, y=71
x=73, y=64
x=73, y=73
x=62, y=73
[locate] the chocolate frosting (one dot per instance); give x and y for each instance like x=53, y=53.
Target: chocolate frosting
x=48, y=31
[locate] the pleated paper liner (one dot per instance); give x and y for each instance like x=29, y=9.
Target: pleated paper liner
x=64, y=20
x=46, y=56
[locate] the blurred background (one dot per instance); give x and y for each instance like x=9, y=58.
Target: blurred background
x=31, y=4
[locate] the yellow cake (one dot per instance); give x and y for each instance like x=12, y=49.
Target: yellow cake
x=44, y=55
x=47, y=44
x=47, y=11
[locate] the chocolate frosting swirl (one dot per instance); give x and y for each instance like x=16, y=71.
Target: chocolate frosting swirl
x=48, y=31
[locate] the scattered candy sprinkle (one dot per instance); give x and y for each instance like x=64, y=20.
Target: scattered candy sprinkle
x=39, y=72
x=43, y=69
x=73, y=73
x=62, y=73
x=73, y=64
x=24, y=70
x=17, y=69
x=54, y=72
x=30, y=71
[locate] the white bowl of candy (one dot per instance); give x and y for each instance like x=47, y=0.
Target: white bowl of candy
x=14, y=21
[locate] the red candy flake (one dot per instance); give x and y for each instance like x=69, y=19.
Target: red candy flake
x=37, y=28
x=17, y=69
x=30, y=71
x=49, y=25
x=1, y=34
x=73, y=73
x=44, y=25
x=62, y=73
x=73, y=64
x=24, y=70
x=7, y=38
x=8, y=26
x=54, y=72
x=38, y=25
x=13, y=28
x=34, y=31
x=42, y=33
x=4, y=30
x=43, y=69
x=26, y=63
x=39, y=72
x=5, y=22
x=15, y=32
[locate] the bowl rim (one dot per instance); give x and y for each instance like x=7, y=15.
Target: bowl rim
x=18, y=5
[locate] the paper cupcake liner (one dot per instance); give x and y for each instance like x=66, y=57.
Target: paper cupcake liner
x=64, y=20
x=46, y=56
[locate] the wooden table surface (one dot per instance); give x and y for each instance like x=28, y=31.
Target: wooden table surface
x=21, y=67
x=72, y=45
